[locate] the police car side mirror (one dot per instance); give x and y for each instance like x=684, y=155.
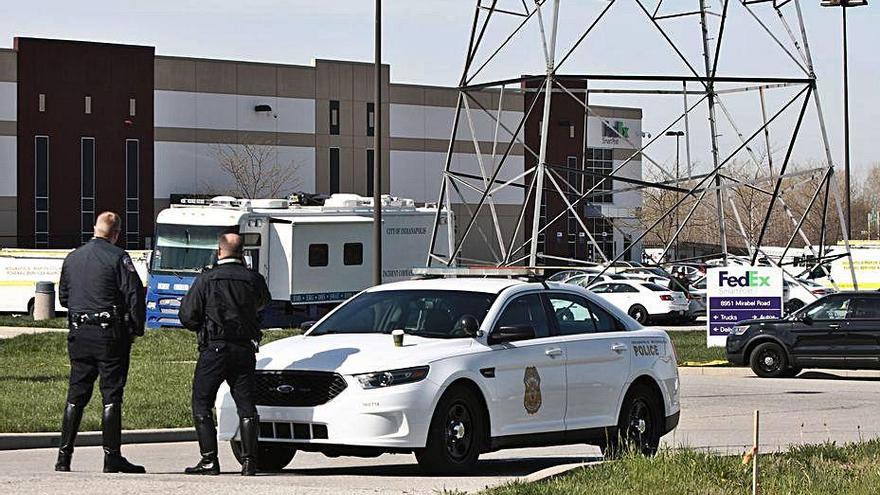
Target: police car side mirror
x=807, y=319
x=512, y=333
x=469, y=325
x=307, y=325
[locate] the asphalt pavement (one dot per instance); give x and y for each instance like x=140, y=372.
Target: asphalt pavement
x=717, y=412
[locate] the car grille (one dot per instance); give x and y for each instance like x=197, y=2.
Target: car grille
x=297, y=388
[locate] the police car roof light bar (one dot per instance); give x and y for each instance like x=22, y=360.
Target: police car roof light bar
x=479, y=271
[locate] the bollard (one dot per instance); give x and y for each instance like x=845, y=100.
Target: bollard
x=44, y=301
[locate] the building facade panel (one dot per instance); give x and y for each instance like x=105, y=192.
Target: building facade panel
x=433, y=122
x=8, y=101
x=193, y=168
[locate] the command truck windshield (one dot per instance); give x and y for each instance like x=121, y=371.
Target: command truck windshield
x=186, y=248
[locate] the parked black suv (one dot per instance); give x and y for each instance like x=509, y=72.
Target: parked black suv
x=837, y=331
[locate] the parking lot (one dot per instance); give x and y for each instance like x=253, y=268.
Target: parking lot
x=717, y=413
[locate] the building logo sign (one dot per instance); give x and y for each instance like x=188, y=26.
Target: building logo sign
x=738, y=293
x=611, y=133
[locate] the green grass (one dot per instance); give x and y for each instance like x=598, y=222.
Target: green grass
x=691, y=347
x=34, y=370
x=823, y=469
x=7, y=320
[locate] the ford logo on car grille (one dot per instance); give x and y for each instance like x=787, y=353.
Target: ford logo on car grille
x=284, y=389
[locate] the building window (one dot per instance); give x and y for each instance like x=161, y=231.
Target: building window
x=334, y=117
x=603, y=232
x=371, y=157
x=132, y=193
x=41, y=191
x=600, y=161
x=87, y=187
x=571, y=131
x=42, y=102
x=572, y=194
x=318, y=254
x=88, y=104
x=371, y=119
x=353, y=253
x=334, y=170
x=132, y=107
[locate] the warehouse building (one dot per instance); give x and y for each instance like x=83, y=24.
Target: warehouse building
x=86, y=127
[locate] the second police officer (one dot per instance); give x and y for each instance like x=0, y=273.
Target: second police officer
x=222, y=307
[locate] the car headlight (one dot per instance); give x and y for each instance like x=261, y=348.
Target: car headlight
x=382, y=379
x=739, y=329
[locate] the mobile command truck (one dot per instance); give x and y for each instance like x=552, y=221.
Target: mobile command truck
x=21, y=269
x=313, y=257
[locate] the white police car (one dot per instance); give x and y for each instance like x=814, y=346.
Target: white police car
x=486, y=364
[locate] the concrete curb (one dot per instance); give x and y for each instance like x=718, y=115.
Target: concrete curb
x=16, y=441
x=746, y=372
x=556, y=471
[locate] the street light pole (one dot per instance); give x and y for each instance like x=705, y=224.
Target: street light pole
x=846, y=124
x=377, y=153
x=845, y=4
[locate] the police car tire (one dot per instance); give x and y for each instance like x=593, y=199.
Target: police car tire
x=639, y=313
x=640, y=401
x=270, y=457
x=457, y=404
x=768, y=360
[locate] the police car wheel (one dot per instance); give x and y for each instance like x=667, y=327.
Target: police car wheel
x=270, y=457
x=638, y=313
x=768, y=360
x=639, y=426
x=455, y=435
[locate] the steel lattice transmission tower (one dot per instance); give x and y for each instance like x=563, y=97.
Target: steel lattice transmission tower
x=700, y=85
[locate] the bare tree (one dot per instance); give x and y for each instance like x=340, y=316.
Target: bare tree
x=256, y=171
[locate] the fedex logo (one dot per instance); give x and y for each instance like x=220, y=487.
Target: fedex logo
x=750, y=279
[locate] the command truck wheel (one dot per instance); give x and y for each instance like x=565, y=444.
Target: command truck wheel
x=638, y=313
x=639, y=426
x=768, y=360
x=270, y=457
x=456, y=434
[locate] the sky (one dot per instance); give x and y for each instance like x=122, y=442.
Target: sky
x=425, y=43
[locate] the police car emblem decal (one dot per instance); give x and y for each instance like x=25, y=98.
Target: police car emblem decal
x=532, y=395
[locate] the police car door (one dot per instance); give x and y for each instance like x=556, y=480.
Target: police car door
x=597, y=360
x=529, y=371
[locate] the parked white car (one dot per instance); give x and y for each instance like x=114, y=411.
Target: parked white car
x=803, y=292
x=588, y=279
x=485, y=364
x=643, y=301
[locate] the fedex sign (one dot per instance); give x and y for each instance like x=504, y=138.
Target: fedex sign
x=737, y=293
x=750, y=279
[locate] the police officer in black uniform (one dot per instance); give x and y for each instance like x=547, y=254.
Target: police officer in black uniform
x=104, y=298
x=222, y=307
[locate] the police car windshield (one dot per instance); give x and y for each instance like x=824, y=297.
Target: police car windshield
x=425, y=313
x=185, y=248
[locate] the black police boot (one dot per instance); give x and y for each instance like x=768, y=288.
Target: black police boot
x=112, y=436
x=250, y=428
x=207, y=433
x=69, y=428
